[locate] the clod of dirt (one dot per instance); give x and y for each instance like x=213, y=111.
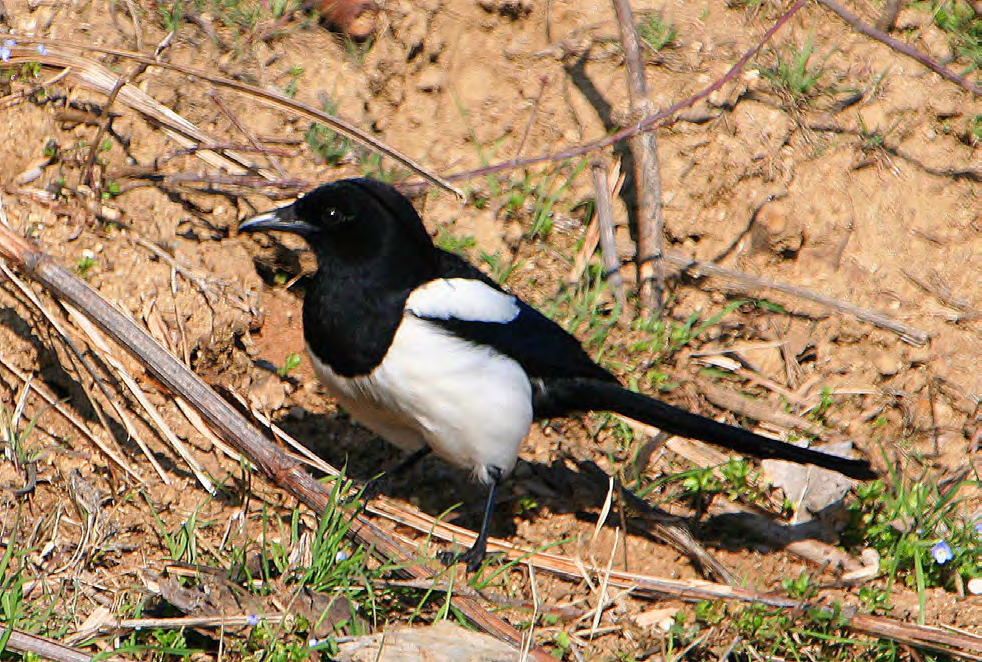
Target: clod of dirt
x=763, y=128
x=662, y=617
x=885, y=363
x=431, y=80
x=778, y=231
x=442, y=642
x=268, y=394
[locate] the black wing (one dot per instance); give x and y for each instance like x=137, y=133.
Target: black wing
x=542, y=347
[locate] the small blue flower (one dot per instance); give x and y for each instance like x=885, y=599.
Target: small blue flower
x=942, y=553
x=312, y=642
x=252, y=619
x=978, y=527
x=340, y=556
x=4, y=53
x=42, y=49
x=9, y=43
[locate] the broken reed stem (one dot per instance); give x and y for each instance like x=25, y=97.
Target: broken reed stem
x=47, y=649
x=906, y=49
x=644, y=148
x=608, y=244
x=227, y=422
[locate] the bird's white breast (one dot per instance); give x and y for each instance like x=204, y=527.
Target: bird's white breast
x=470, y=404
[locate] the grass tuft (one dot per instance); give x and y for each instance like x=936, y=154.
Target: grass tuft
x=656, y=32
x=794, y=75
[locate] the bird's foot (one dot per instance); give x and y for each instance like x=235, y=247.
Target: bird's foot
x=370, y=489
x=472, y=557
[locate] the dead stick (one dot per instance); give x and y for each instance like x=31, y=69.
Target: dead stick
x=644, y=148
x=101, y=131
x=907, y=333
x=856, y=24
x=647, y=586
x=665, y=115
x=637, y=85
x=224, y=107
x=228, y=423
x=45, y=648
x=605, y=222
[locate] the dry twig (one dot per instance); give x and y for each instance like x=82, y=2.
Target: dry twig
x=605, y=223
x=906, y=332
x=953, y=643
x=879, y=35
x=645, y=123
x=48, y=649
x=58, y=55
x=644, y=148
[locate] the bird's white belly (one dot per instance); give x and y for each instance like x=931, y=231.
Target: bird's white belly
x=471, y=405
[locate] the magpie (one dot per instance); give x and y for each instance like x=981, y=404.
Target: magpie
x=428, y=352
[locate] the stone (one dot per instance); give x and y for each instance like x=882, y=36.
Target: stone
x=777, y=230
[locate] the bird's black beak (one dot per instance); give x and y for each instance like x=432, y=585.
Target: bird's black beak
x=283, y=219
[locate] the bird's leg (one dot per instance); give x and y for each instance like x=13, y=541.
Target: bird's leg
x=475, y=555
x=371, y=488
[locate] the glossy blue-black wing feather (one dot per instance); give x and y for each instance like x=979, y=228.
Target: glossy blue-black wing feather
x=542, y=347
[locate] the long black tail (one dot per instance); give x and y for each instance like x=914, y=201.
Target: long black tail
x=563, y=396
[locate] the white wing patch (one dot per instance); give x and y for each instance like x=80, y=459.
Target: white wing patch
x=463, y=299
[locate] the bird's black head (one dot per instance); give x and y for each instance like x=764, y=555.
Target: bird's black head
x=372, y=252
x=355, y=223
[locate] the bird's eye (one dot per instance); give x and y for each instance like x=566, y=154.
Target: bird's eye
x=332, y=216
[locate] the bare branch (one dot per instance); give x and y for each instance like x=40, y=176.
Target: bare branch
x=643, y=124
x=873, y=33
x=644, y=147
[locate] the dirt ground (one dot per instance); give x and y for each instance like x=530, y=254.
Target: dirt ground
x=868, y=192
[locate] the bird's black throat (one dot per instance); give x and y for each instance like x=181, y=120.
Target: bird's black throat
x=351, y=314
